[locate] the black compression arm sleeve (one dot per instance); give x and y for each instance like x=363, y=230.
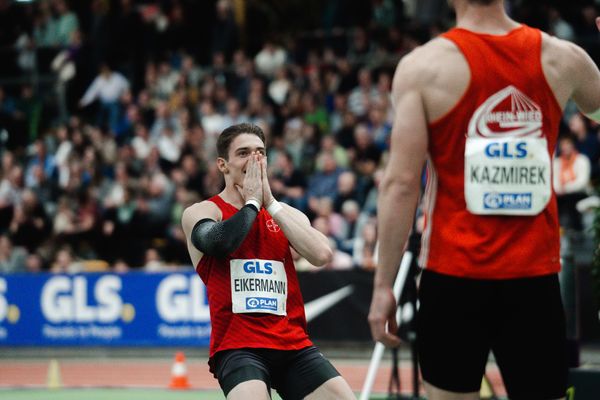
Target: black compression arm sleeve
x=222, y=238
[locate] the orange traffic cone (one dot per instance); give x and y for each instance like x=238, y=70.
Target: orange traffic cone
x=179, y=379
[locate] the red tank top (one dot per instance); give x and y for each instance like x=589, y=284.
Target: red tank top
x=265, y=241
x=508, y=95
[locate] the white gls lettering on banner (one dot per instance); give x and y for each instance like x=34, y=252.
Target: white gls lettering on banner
x=65, y=299
x=3, y=302
x=181, y=298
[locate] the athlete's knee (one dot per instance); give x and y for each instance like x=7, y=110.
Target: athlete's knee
x=435, y=393
x=253, y=389
x=334, y=389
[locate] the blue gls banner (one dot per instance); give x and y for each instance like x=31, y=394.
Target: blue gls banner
x=134, y=309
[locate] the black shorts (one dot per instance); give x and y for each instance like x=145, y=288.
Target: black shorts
x=293, y=373
x=520, y=320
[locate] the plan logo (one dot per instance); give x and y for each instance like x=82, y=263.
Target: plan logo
x=507, y=201
x=261, y=303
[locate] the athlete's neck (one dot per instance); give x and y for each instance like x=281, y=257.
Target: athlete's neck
x=232, y=196
x=491, y=19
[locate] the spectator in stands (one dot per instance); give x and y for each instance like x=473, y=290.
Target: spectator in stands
x=66, y=22
x=193, y=170
x=40, y=161
x=337, y=226
x=213, y=124
x=330, y=145
x=366, y=155
x=347, y=189
x=153, y=261
x=166, y=80
x=64, y=218
x=340, y=260
x=365, y=249
x=108, y=87
x=280, y=86
x=169, y=146
x=44, y=26
x=141, y=142
x=11, y=189
x=558, y=26
x=158, y=203
x=30, y=225
x=313, y=113
x=587, y=140
x=34, y=263
x=379, y=128
x=350, y=210
x=225, y=31
x=120, y=224
x=370, y=204
x=345, y=135
x=114, y=190
x=288, y=183
x=270, y=59
x=234, y=114
x=62, y=154
x=323, y=183
x=336, y=116
x=65, y=262
x=571, y=177
x=12, y=259
x=362, y=95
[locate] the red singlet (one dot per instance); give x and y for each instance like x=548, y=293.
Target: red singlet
x=508, y=97
x=230, y=330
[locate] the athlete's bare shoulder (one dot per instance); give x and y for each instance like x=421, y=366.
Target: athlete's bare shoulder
x=198, y=211
x=439, y=71
x=570, y=72
x=427, y=61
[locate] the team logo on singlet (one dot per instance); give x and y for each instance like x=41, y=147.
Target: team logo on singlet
x=507, y=113
x=272, y=226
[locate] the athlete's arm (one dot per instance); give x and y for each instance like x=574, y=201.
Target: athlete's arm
x=306, y=240
x=586, y=93
x=222, y=238
x=191, y=216
x=398, y=192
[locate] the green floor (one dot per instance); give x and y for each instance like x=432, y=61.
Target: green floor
x=116, y=394
x=108, y=394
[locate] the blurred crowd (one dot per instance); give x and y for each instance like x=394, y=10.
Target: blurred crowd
x=99, y=162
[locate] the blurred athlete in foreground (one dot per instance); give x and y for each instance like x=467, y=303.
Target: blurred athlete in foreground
x=481, y=105
x=239, y=241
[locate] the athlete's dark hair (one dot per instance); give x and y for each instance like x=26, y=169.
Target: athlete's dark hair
x=229, y=134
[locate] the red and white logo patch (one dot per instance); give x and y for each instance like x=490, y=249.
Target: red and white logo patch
x=507, y=113
x=272, y=226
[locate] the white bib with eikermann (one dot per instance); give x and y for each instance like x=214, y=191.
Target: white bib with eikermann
x=258, y=286
x=507, y=176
